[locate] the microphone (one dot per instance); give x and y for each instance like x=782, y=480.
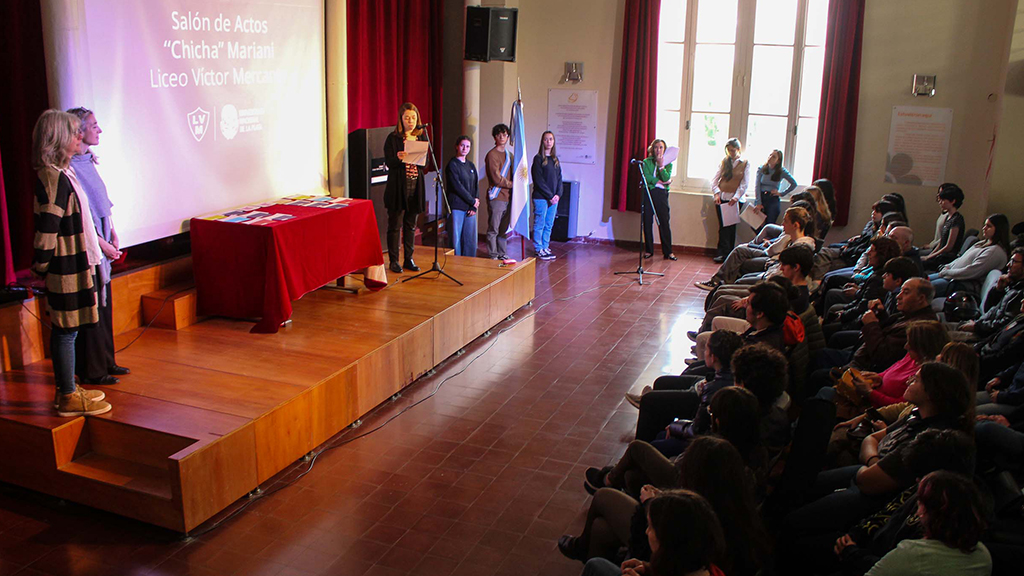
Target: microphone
x=634, y=161
x=421, y=126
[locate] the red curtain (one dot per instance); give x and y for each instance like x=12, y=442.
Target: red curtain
x=394, y=56
x=638, y=90
x=22, y=99
x=840, y=90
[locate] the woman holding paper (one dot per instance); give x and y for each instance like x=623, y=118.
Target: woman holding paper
x=729, y=187
x=405, y=193
x=656, y=175
x=770, y=178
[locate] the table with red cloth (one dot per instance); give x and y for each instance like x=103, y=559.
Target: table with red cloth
x=257, y=270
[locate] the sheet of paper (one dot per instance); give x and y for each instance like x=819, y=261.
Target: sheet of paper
x=415, y=152
x=730, y=214
x=671, y=154
x=751, y=217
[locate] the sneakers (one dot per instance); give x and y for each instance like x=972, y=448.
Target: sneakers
x=78, y=404
x=708, y=285
x=634, y=399
x=94, y=395
x=545, y=255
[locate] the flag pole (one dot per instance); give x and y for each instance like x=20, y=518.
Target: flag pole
x=529, y=205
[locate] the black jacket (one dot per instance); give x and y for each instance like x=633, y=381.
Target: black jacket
x=1007, y=306
x=394, y=191
x=547, y=179
x=461, y=184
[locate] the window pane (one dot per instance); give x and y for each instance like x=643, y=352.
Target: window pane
x=770, y=80
x=708, y=135
x=712, y=78
x=672, y=21
x=810, y=82
x=817, y=20
x=806, y=140
x=775, y=22
x=716, y=21
x=670, y=76
x=764, y=134
x=668, y=127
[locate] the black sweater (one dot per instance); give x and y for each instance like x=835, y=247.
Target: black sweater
x=462, y=184
x=547, y=180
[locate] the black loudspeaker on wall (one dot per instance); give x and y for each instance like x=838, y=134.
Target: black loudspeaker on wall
x=491, y=33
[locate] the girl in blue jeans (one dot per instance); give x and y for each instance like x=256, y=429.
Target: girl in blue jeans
x=547, y=186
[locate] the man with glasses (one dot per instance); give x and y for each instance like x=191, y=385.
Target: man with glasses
x=1004, y=301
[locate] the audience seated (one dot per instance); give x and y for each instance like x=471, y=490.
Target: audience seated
x=1004, y=300
x=967, y=271
x=849, y=302
x=1002, y=349
x=950, y=230
x=894, y=273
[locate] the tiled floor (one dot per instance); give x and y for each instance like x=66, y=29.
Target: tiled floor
x=479, y=479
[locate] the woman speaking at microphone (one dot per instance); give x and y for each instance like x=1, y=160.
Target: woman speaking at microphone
x=656, y=178
x=405, y=193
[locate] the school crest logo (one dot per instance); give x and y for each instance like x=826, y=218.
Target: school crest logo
x=198, y=121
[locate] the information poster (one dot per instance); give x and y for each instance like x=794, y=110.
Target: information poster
x=918, y=145
x=572, y=117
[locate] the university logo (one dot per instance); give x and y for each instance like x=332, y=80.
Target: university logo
x=229, y=121
x=198, y=120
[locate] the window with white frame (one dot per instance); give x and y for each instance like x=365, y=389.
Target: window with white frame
x=747, y=69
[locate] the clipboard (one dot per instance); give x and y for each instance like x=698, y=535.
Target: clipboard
x=753, y=219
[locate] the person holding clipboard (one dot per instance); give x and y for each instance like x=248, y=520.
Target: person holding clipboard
x=729, y=187
x=657, y=176
x=405, y=193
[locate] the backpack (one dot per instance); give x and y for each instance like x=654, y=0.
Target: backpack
x=792, y=329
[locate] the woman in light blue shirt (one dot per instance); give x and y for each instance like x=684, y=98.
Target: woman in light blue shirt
x=770, y=178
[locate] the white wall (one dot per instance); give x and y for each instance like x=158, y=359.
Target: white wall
x=964, y=42
x=1007, y=170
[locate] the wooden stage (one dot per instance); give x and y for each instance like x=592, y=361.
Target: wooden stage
x=211, y=411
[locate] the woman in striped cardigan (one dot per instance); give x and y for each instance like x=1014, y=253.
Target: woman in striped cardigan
x=65, y=254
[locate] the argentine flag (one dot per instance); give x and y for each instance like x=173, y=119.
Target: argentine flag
x=520, y=216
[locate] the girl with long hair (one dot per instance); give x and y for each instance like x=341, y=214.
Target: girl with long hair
x=657, y=176
x=770, y=178
x=405, y=193
x=547, y=187
x=729, y=186
x=462, y=178
x=822, y=213
x=66, y=253
x=989, y=253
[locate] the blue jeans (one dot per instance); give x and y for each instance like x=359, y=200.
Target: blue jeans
x=543, y=219
x=62, y=353
x=462, y=232
x=941, y=285
x=772, y=206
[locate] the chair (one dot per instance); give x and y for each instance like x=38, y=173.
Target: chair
x=805, y=459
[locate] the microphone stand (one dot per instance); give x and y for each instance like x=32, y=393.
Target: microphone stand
x=640, y=263
x=438, y=188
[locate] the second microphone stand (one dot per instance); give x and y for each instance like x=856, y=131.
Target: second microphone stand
x=640, y=264
x=438, y=189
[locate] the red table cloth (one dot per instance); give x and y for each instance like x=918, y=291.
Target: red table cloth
x=256, y=270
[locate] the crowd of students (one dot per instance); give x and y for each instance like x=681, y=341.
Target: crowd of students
x=843, y=412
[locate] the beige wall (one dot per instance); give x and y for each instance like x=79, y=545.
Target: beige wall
x=1007, y=191
x=964, y=42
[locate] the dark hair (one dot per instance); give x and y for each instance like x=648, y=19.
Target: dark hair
x=889, y=217
x=499, y=129
x=761, y=369
x=926, y=338
x=777, y=172
x=806, y=197
x=883, y=207
x=940, y=449
x=962, y=357
x=799, y=216
x=792, y=292
x=461, y=138
x=769, y=299
x=1017, y=250
x=714, y=468
x=1002, y=233
x=948, y=392
x=400, y=128
x=951, y=192
x=540, y=152
x=901, y=268
x=727, y=161
x=809, y=207
x=736, y=414
x=801, y=256
x=828, y=191
x=688, y=530
x=953, y=510
x=886, y=248
x=723, y=344
x=898, y=203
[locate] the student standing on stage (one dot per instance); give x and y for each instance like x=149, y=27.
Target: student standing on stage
x=729, y=187
x=499, y=192
x=547, y=186
x=460, y=173
x=769, y=187
x=405, y=193
x=94, y=347
x=656, y=177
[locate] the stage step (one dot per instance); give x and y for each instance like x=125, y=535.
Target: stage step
x=121, y=473
x=173, y=308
